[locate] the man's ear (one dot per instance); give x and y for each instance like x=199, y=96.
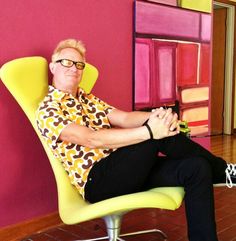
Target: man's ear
x=52, y=67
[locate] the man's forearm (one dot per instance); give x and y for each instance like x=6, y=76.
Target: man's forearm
x=104, y=138
x=116, y=138
x=128, y=119
x=137, y=118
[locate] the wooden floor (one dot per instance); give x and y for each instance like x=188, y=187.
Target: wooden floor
x=173, y=223
x=224, y=146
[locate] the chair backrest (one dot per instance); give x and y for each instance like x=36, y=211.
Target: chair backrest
x=27, y=80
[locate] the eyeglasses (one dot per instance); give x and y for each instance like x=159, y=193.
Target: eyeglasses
x=69, y=63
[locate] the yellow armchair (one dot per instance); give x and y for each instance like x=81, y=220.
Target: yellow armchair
x=27, y=80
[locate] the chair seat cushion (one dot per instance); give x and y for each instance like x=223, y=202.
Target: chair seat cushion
x=169, y=198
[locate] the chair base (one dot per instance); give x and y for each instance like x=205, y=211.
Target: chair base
x=113, y=224
x=164, y=236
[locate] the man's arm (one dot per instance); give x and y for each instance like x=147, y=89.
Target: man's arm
x=103, y=138
x=123, y=119
x=163, y=123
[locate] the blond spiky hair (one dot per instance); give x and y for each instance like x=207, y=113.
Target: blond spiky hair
x=69, y=43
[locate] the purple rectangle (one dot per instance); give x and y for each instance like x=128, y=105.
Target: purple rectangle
x=166, y=21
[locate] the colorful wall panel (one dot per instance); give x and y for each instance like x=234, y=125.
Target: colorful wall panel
x=176, y=45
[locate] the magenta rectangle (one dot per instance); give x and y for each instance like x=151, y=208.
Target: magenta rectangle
x=206, y=27
x=167, y=21
x=165, y=69
x=142, y=73
x=167, y=2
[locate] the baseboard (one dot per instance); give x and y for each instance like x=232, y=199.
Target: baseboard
x=19, y=231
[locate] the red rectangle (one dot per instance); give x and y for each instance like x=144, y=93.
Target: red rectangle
x=205, y=66
x=187, y=64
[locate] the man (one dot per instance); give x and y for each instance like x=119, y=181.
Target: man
x=108, y=152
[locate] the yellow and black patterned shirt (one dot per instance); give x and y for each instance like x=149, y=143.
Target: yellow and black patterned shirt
x=55, y=112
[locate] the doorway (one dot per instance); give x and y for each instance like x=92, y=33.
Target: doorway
x=222, y=69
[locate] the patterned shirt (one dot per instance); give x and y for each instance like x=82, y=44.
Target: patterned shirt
x=59, y=109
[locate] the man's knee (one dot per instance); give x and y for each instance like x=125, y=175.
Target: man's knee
x=196, y=168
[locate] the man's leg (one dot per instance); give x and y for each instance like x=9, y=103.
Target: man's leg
x=124, y=171
x=195, y=175
x=180, y=146
x=137, y=168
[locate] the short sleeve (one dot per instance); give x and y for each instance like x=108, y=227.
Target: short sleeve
x=51, y=121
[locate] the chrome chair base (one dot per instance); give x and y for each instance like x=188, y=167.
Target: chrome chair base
x=113, y=224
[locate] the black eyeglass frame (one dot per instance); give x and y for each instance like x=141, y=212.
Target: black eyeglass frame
x=81, y=65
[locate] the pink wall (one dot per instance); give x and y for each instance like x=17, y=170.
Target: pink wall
x=33, y=27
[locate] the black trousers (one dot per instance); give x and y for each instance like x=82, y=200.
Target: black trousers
x=185, y=163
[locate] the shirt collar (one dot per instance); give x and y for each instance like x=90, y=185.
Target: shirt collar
x=60, y=95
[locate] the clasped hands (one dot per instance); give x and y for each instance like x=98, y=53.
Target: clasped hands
x=163, y=123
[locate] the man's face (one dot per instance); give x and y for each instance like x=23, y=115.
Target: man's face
x=67, y=78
